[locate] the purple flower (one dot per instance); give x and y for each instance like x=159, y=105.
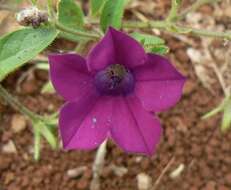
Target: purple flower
x=113, y=94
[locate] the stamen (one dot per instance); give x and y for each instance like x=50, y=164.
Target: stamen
x=114, y=80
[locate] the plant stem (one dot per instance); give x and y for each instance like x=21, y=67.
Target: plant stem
x=98, y=166
x=163, y=25
x=85, y=34
x=143, y=25
x=16, y=104
x=163, y=173
x=172, y=17
x=81, y=47
x=50, y=9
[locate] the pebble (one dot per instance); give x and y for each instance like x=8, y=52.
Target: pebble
x=76, y=172
x=18, y=123
x=144, y=181
x=119, y=171
x=177, y=172
x=9, y=147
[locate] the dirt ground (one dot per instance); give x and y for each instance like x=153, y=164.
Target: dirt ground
x=189, y=143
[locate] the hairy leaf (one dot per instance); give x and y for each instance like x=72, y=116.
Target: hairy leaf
x=20, y=46
x=151, y=43
x=112, y=14
x=70, y=14
x=147, y=39
x=96, y=6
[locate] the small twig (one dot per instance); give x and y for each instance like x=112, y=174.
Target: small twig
x=140, y=16
x=165, y=26
x=85, y=34
x=81, y=47
x=98, y=166
x=218, y=73
x=16, y=104
x=163, y=173
x=196, y=6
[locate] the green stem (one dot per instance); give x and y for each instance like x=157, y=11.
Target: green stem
x=85, y=34
x=173, y=14
x=81, y=47
x=16, y=104
x=143, y=25
x=163, y=25
x=37, y=140
x=50, y=9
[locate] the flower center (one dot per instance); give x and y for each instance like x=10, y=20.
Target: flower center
x=114, y=80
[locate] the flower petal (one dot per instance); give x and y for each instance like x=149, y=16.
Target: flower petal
x=158, y=84
x=84, y=124
x=116, y=48
x=69, y=75
x=133, y=128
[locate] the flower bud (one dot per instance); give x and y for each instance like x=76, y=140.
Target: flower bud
x=32, y=17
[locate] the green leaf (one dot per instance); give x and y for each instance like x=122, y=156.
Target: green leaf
x=159, y=49
x=147, y=39
x=226, y=120
x=178, y=2
x=18, y=1
x=33, y=2
x=215, y=111
x=96, y=6
x=49, y=136
x=48, y=88
x=70, y=14
x=43, y=128
x=21, y=46
x=151, y=43
x=71, y=37
x=112, y=14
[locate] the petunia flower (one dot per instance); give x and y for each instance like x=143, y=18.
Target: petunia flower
x=114, y=93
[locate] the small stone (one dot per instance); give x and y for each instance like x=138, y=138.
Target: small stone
x=119, y=171
x=76, y=172
x=144, y=181
x=138, y=159
x=18, y=123
x=9, y=147
x=177, y=172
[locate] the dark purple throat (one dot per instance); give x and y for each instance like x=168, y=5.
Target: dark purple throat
x=114, y=80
